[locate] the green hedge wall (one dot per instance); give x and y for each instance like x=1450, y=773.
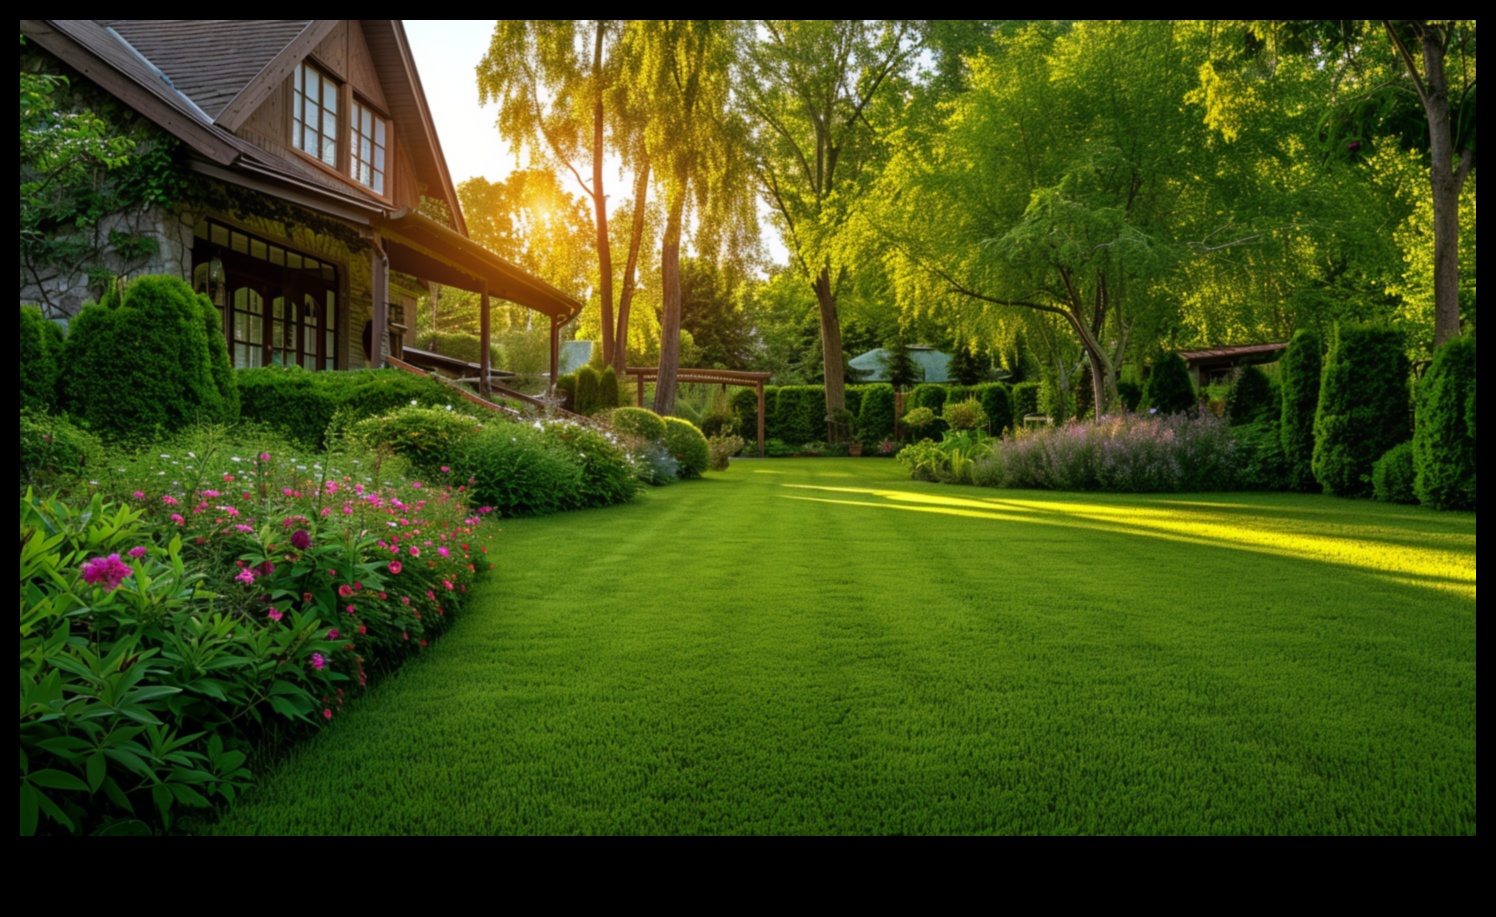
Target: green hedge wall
x=1025, y=400
x=997, y=404
x=300, y=404
x=1443, y=440
x=875, y=414
x=1363, y=406
x=743, y=403
x=1169, y=389
x=1301, y=372
x=930, y=395
x=1393, y=478
x=38, y=346
x=800, y=414
x=1252, y=399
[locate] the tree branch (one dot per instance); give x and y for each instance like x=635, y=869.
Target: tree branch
x=1407, y=59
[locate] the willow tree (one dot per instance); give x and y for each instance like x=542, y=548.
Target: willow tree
x=821, y=94
x=680, y=83
x=557, y=82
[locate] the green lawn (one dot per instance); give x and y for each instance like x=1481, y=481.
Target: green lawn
x=821, y=646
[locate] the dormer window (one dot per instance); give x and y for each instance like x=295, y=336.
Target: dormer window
x=367, y=161
x=314, y=107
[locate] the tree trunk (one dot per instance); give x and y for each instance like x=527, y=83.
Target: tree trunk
x=664, y=403
x=626, y=296
x=831, y=353
x=600, y=203
x=1445, y=184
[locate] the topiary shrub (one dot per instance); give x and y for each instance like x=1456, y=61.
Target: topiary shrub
x=964, y=415
x=1252, y=399
x=566, y=387
x=1130, y=394
x=638, y=423
x=1393, y=476
x=139, y=364
x=997, y=404
x=37, y=348
x=921, y=423
x=800, y=414
x=607, y=389
x=1025, y=400
x=1260, y=464
x=586, y=390
x=427, y=437
x=1169, y=389
x=875, y=415
x=690, y=448
x=1301, y=371
x=1363, y=406
x=1443, y=438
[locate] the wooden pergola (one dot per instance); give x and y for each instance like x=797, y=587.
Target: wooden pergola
x=754, y=381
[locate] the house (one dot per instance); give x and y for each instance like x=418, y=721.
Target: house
x=1213, y=365
x=322, y=204
x=934, y=366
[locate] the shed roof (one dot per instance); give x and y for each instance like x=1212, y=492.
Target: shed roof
x=934, y=365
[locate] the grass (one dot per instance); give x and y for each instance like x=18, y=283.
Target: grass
x=819, y=646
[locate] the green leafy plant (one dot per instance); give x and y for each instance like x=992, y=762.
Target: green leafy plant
x=639, y=422
x=1444, y=437
x=586, y=397
x=960, y=416
x=723, y=447
x=920, y=424
x=427, y=437
x=1169, y=389
x=1363, y=407
x=685, y=442
x=1251, y=398
x=607, y=388
x=1301, y=371
x=926, y=460
x=1393, y=477
x=1025, y=400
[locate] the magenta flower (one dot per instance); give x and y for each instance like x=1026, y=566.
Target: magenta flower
x=273, y=613
x=140, y=495
x=106, y=571
x=264, y=456
x=318, y=661
x=395, y=567
x=444, y=552
x=177, y=518
x=301, y=539
x=169, y=500
x=333, y=634
x=327, y=713
x=137, y=552
x=415, y=551
x=246, y=576
x=345, y=590
x=210, y=494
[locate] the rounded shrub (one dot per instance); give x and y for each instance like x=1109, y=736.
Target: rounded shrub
x=1443, y=437
x=685, y=442
x=1393, y=476
x=607, y=476
x=964, y=415
x=1301, y=371
x=519, y=470
x=1251, y=399
x=638, y=422
x=141, y=363
x=607, y=389
x=37, y=349
x=875, y=415
x=1130, y=394
x=921, y=423
x=1025, y=400
x=1169, y=389
x=586, y=390
x=427, y=437
x=1363, y=406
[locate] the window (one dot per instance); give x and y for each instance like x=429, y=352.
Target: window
x=314, y=111
x=368, y=147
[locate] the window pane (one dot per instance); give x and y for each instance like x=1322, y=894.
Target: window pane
x=330, y=95
x=379, y=159
x=293, y=260
x=313, y=82
x=379, y=131
x=378, y=183
x=258, y=249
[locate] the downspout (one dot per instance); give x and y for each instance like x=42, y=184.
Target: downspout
x=379, y=265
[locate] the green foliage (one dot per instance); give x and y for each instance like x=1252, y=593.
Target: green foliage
x=51, y=447
x=38, y=345
x=586, y=398
x=607, y=388
x=1444, y=439
x=638, y=422
x=462, y=346
x=1169, y=389
x=1260, y=463
x=566, y=387
x=1393, y=477
x=921, y=423
x=608, y=476
x=744, y=405
x=1252, y=399
x=903, y=372
x=684, y=441
x=800, y=413
x=1130, y=394
x=1301, y=372
x=718, y=423
x=1363, y=406
x=875, y=421
x=723, y=448
x=426, y=437
x=964, y=415
x=144, y=363
x=930, y=395
x=925, y=459
x=519, y=470
x=964, y=367
x=301, y=405
x=1025, y=400
x=997, y=404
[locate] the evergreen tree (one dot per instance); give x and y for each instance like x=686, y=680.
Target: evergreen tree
x=1301, y=372
x=903, y=372
x=965, y=368
x=1170, y=390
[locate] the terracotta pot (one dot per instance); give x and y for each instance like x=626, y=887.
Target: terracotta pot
x=854, y=448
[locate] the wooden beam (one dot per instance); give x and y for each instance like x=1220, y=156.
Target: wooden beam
x=639, y=401
x=760, y=420
x=555, y=352
x=485, y=343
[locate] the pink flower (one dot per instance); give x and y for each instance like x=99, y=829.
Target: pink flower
x=415, y=551
x=318, y=661
x=333, y=634
x=351, y=610
x=169, y=500
x=448, y=584
x=137, y=552
x=301, y=539
x=345, y=590
x=246, y=576
x=209, y=494
x=264, y=456
x=246, y=529
x=327, y=713
x=395, y=567
x=446, y=470
x=416, y=484
x=444, y=552
x=273, y=613
x=177, y=518
x=140, y=495
x=106, y=571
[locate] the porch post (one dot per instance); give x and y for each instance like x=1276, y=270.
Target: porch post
x=760, y=418
x=555, y=352
x=379, y=336
x=639, y=403
x=485, y=345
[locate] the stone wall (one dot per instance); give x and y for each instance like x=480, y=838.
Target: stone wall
x=61, y=290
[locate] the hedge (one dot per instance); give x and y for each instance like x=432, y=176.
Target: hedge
x=931, y=396
x=300, y=404
x=1363, y=406
x=1393, y=476
x=1252, y=399
x=800, y=415
x=38, y=346
x=1443, y=439
x=875, y=414
x=1300, y=370
x=689, y=447
x=743, y=403
x=997, y=404
x=1169, y=389
x=1025, y=400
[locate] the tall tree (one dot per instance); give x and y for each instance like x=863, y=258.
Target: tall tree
x=820, y=93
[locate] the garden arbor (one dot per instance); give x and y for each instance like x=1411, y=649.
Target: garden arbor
x=754, y=381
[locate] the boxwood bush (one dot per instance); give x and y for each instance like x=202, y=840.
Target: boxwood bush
x=638, y=422
x=37, y=350
x=875, y=416
x=1025, y=400
x=426, y=437
x=689, y=447
x=1444, y=437
x=1363, y=406
x=1393, y=476
x=1301, y=371
x=301, y=404
x=997, y=404
x=1169, y=389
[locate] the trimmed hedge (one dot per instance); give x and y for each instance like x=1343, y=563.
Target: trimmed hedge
x=997, y=404
x=800, y=415
x=427, y=437
x=1393, y=476
x=689, y=447
x=1025, y=400
x=607, y=389
x=150, y=361
x=300, y=404
x=931, y=396
x=1363, y=406
x=1260, y=464
x=586, y=390
x=875, y=416
x=638, y=422
x=1444, y=440
x=743, y=403
x=1301, y=371
x=1252, y=399
x=39, y=344
x=1169, y=389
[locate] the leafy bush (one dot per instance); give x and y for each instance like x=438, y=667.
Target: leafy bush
x=723, y=448
x=52, y=446
x=778, y=448
x=1393, y=477
x=1363, y=406
x=1124, y=454
x=925, y=460
x=566, y=387
x=684, y=441
x=1169, y=389
x=638, y=422
x=1130, y=394
x=800, y=414
x=1301, y=372
x=426, y=437
x=143, y=363
x=920, y=423
x=718, y=423
x=1444, y=439
x=586, y=390
x=1025, y=401
x=37, y=350
x=875, y=414
x=964, y=415
x=997, y=405
x=1260, y=464
x=930, y=395
x=519, y=470
x=607, y=389
x=744, y=406
x=608, y=474
x=1252, y=399
x=300, y=404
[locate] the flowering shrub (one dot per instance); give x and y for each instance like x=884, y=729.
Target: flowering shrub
x=724, y=447
x=1125, y=454
x=221, y=602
